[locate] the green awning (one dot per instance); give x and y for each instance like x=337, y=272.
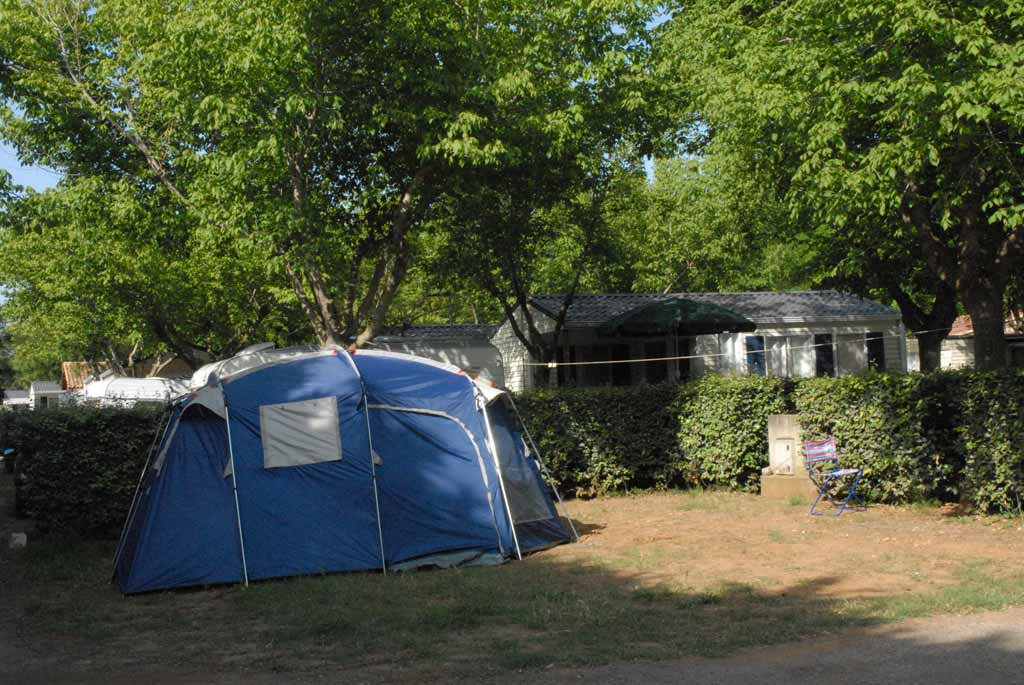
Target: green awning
x=678, y=315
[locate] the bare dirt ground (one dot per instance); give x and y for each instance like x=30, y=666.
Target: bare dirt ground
x=658, y=583
x=704, y=540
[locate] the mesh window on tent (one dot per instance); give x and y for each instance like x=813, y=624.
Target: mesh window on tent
x=299, y=433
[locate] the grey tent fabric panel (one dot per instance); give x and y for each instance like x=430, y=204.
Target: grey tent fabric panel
x=527, y=500
x=299, y=433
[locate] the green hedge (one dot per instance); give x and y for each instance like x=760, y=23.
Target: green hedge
x=599, y=440
x=947, y=436
x=723, y=428
x=885, y=425
x=77, y=467
x=991, y=437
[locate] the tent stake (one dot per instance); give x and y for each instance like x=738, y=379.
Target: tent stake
x=234, y=488
x=540, y=460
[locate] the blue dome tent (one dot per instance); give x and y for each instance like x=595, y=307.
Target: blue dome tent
x=318, y=461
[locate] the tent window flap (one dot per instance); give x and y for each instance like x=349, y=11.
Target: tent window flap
x=299, y=433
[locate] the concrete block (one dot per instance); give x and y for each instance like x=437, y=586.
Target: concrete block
x=787, y=487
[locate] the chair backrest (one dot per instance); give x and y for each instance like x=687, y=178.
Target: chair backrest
x=819, y=452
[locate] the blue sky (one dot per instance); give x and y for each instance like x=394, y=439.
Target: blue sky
x=35, y=177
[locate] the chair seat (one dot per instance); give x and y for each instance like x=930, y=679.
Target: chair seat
x=822, y=455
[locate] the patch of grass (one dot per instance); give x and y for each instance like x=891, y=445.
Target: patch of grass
x=479, y=621
x=595, y=605
x=924, y=506
x=700, y=499
x=798, y=501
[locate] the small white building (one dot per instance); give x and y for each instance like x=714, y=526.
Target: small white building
x=957, y=350
x=46, y=394
x=16, y=399
x=687, y=335
x=467, y=346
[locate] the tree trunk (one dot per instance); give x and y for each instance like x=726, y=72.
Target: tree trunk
x=930, y=349
x=931, y=326
x=986, y=310
x=984, y=275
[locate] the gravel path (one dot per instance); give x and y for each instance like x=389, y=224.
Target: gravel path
x=978, y=648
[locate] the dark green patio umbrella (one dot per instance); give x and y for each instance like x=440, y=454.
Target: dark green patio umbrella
x=679, y=315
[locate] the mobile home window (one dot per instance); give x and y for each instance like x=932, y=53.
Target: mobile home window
x=592, y=374
x=824, y=355
x=1017, y=356
x=876, y=350
x=684, y=348
x=755, y=355
x=567, y=373
x=655, y=372
x=621, y=373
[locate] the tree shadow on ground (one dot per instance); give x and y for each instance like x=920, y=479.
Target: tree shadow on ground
x=584, y=528
x=987, y=649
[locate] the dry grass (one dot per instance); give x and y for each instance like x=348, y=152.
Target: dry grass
x=655, y=576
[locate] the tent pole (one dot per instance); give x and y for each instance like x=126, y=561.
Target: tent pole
x=501, y=481
x=373, y=464
x=234, y=488
x=543, y=466
x=165, y=423
x=373, y=476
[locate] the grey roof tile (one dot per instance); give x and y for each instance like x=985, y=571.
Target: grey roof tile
x=759, y=307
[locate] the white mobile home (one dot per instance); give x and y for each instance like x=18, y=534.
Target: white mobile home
x=467, y=346
x=686, y=335
x=124, y=391
x=16, y=399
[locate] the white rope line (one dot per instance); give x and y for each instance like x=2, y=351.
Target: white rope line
x=765, y=352
x=709, y=355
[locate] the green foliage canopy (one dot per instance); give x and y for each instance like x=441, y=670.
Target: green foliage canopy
x=887, y=123
x=309, y=139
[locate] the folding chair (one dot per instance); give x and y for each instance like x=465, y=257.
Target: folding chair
x=825, y=472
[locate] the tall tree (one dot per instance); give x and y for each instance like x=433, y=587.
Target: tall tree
x=903, y=110
x=712, y=225
x=96, y=270
x=571, y=115
x=314, y=133
x=6, y=369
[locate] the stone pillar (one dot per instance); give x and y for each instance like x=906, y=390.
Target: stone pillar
x=786, y=474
